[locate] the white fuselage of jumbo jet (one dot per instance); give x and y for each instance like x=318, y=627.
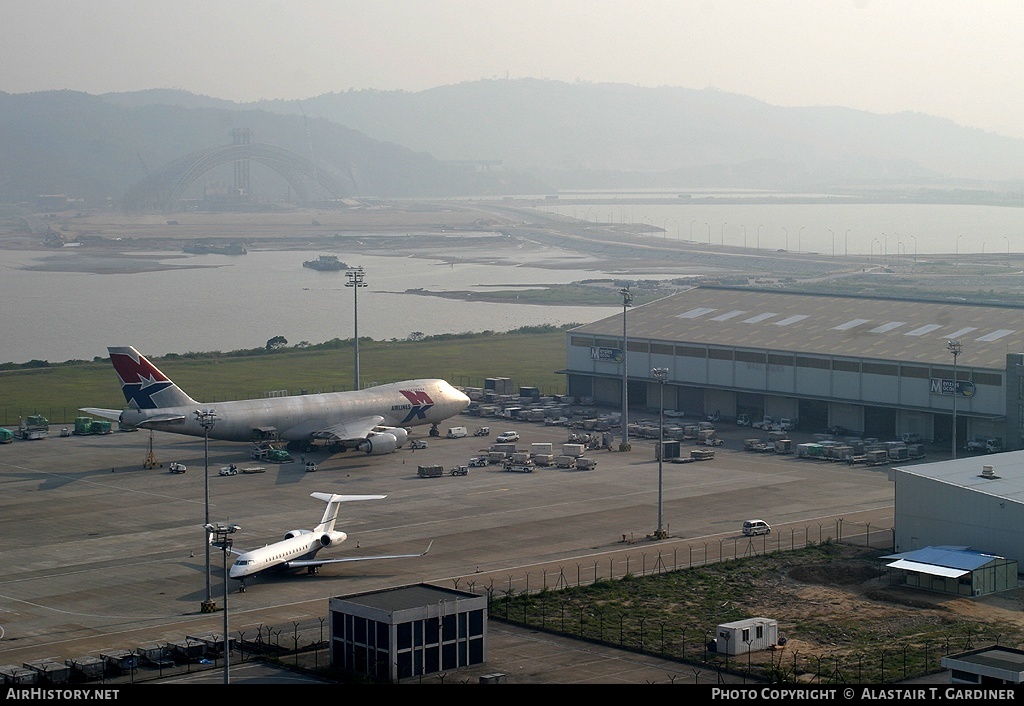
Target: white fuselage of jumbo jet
x=296, y=418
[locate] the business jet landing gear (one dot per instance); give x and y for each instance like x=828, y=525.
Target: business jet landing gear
x=434, y=431
x=312, y=569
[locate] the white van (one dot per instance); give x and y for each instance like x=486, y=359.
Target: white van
x=457, y=432
x=756, y=527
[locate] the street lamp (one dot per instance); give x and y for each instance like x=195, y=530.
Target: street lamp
x=661, y=374
x=955, y=347
x=846, y=242
x=744, y=236
x=627, y=301
x=958, y=244
x=355, y=281
x=207, y=418
x=798, y=234
x=833, y=242
x=759, y=227
x=223, y=542
x=786, y=231
x=709, y=231
x=723, y=233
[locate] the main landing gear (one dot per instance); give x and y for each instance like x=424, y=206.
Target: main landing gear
x=434, y=431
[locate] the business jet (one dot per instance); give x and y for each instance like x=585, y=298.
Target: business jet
x=373, y=420
x=299, y=547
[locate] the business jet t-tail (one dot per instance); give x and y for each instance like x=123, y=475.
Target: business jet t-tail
x=299, y=547
x=371, y=420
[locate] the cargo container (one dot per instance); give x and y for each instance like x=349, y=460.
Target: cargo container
x=573, y=449
x=565, y=461
x=784, y=446
x=585, y=464
x=541, y=449
x=431, y=471
x=810, y=451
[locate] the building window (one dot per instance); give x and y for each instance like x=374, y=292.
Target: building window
x=701, y=352
x=993, y=379
x=819, y=363
x=880, y=369
x=581, y=342
x=846, y=366
x=720, y=354
x=913, y=371
x=662, y=348
x=750, y=357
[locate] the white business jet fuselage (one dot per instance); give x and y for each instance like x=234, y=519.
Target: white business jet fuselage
x=299, y=548
x=371, y=420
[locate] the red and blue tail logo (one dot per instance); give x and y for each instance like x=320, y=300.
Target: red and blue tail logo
x=420, y=402
x=142, y=383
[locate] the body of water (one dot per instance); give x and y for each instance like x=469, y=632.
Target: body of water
x=886, y=230
x=233, y=302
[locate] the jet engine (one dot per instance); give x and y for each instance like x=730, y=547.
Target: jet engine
x=401, y=435
x=379, y=443
x=329, y=538
x=295, y=533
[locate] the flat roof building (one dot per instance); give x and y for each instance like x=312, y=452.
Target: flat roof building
x=877, y=367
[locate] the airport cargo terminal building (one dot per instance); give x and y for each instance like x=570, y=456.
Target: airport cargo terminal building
x=876, y=367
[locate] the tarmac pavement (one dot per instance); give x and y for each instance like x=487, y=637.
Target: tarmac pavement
x=101, y=554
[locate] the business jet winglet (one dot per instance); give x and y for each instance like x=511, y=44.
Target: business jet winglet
x=299, y=548
x=372, y=420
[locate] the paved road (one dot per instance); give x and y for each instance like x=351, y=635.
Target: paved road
x=100, y=554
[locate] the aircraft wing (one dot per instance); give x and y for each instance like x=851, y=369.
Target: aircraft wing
x=115, y=415
x=299, y=563
x=349, y=430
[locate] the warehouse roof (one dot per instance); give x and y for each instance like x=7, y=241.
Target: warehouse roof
x=908, y=331
x=1001, y=474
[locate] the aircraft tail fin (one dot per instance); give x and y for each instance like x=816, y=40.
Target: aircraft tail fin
x=334, y=501
x=142, y=383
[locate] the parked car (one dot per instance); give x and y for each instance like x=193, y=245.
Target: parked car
x=752, y=528
x=507, y=436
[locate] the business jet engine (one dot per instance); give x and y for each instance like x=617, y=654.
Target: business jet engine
x=295, y=533
x=329, y=538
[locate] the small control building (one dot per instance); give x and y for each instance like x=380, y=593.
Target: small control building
x=408, y=631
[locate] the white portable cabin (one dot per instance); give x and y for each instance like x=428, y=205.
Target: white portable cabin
x=743, y=636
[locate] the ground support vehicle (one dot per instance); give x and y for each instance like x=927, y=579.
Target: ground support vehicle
x=231, y=470
x=33, y=428
x=477, y=462
x=985, y=444
x=178, y=468
x=459, y=471
x=311, y=467
x=519, y=467
x=417, y=444
x=482, y=431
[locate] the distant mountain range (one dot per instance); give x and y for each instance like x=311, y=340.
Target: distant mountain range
x=494, y=137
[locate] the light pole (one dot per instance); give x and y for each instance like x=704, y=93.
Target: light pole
x=627, y=301
x=223, y=541
x=355, y=281
x=759, y=227
x=958, y=244
x=661, y=374
x=954, y=347
x=744, y=236
x=723, y=233
x=786, y=231
x=799, y=233
x=709, y=231
x=846, y=242
x=206, y=420
x=833, y=242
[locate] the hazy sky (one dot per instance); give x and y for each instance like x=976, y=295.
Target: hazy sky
x=960, y=59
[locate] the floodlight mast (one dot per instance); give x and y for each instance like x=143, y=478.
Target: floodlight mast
x=661, y=374
x=955, y=347
x=627, y=301
x=207, y=418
